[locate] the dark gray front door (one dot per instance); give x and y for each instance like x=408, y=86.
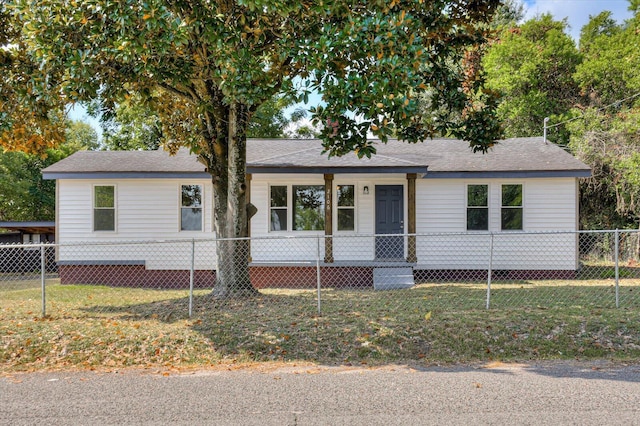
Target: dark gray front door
x=389, y=220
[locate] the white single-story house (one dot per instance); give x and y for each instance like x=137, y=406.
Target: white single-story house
x=438, y=186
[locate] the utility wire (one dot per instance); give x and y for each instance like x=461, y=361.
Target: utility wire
x=597, y=110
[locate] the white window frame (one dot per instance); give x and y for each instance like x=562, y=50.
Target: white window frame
x=286, y=208
x=521, y=207
x=467, y=207
x=337, y=207
x=28, y=239
x=201, y=207
x=94, y=208
x=289, y=207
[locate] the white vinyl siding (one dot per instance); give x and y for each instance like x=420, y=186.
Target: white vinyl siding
x=548, y=205
x=147, y=210
x=346, y=246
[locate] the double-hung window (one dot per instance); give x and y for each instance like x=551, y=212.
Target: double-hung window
x=278, y=207
x=511, y=211
x=191, y=208
x=346, y=208
x=308, y=207
x=300, y=210
x=104, y=208
x=477, y=207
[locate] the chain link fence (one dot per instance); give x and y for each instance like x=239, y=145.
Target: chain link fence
x=315, y=275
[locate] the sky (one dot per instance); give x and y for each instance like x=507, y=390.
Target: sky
x=576, y=12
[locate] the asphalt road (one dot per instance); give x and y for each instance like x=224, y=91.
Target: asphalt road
x=540, y=394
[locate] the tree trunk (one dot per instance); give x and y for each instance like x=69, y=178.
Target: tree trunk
x=230, y=207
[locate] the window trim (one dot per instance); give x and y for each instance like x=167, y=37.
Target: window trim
x=286, y=208
x=29, y=239
x=290, y=209
x=202, y=209
x=521, y=206
x=94, y=208
x=337, y=207
x=467, y=207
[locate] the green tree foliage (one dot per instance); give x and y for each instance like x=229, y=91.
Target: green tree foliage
x=28, y=121
x=206, y=68
x=609, y=71
x=80, y=136
x=24, y=195
x=532, y=66
x=134, y=125
x=128, y=126
x=508, y=14
x=608, y=137
x=269, y=120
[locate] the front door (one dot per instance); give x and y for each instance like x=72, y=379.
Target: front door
x=389, y=220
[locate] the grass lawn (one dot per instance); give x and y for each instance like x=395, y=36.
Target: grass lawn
x=95, y=326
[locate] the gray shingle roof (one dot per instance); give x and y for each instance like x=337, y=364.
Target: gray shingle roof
x=437, y=157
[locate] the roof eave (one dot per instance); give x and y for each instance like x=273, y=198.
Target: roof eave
x=125, y=175
x=504, y=174
x=336, y=170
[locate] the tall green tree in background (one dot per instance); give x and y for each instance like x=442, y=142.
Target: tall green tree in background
x=540, y=73
x=220, y=60
x=532, y=66
x=134, y=125
x=24, y=195
x=608, y=137
x=128, y=126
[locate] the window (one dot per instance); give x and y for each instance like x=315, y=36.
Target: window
x=511, y=212
x=477, y=207
x=31, y=238
x=346, y=208
x=308, y=207
x=191, y=208
x=278, y=214
x=104, y=208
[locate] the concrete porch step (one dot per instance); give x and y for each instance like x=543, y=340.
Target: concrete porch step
x=392, y=278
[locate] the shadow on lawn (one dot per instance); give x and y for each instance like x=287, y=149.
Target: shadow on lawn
x=421, y=326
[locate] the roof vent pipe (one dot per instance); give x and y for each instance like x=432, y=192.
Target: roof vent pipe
x=546, y=120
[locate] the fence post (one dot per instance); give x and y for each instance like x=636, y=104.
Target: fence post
x=318, y=273
x=193, y=253
x=617, y=260
x=43, y=265
x=489, y=269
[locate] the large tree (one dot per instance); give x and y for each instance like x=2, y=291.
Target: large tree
x=607, y=137
x=28, y=122
x=215, y=62
x=24, y=194
x=532, y=66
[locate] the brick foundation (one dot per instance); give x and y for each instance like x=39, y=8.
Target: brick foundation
x=456, y=275
x=136, y=276
x=306, y=276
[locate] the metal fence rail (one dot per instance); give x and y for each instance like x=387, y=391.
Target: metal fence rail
x=311, y=275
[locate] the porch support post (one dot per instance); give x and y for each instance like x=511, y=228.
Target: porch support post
x=411, y=242
x=328, y=218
